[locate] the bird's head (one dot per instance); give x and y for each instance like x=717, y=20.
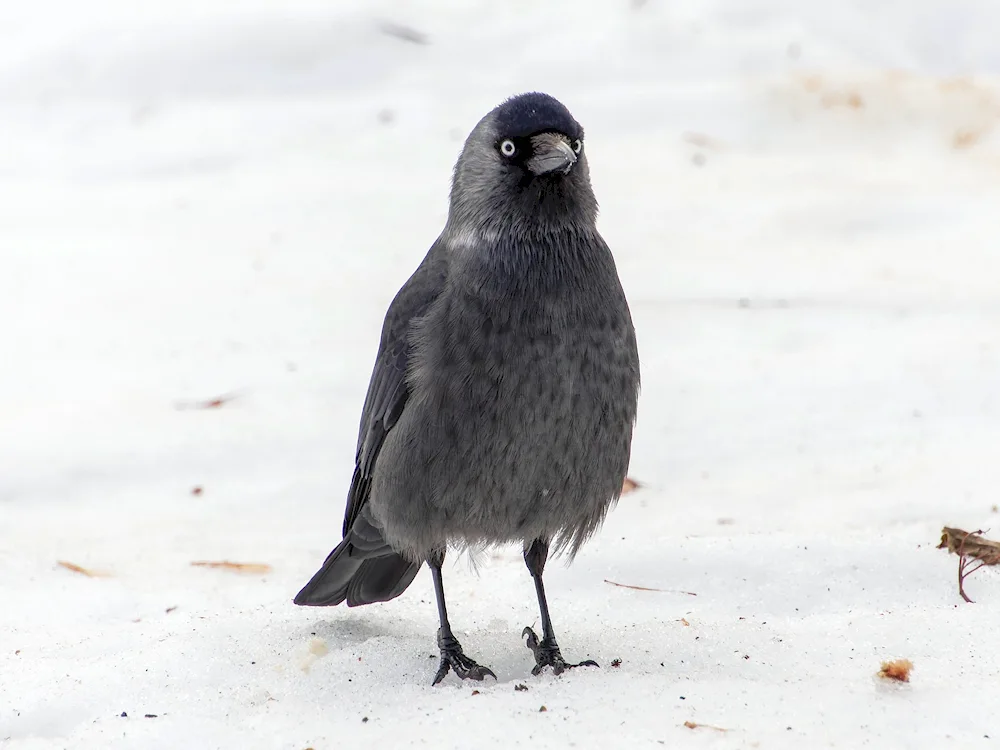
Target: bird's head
x=523, y=168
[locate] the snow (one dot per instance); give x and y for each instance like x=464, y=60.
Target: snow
x=204, y=199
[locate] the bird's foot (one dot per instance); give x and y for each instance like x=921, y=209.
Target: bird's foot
x=547, y=654
x=453, y=659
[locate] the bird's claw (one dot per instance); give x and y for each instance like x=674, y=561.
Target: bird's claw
x=547, y=654
x=453, y=659
x=464, y=667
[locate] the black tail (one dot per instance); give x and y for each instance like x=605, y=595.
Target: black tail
x=363, y=569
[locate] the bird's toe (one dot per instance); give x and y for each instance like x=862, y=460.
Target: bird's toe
x=463, y=667
x=547, y=654
x=476, y=672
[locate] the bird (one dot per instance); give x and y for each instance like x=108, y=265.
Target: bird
x=504, y=393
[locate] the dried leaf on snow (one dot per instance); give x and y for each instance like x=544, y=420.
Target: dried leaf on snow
x=898, y=670
x=969, y=545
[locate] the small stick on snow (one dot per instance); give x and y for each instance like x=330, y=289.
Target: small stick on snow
x=81, y=570
x=695, y=725
x=236, y=567
x=647, y=588
x=212, y=403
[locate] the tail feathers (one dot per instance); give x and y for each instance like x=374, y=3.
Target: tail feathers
x=363, y=569
x=381, y=579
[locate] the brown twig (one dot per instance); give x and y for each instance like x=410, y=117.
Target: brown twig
x=695, y=725
x=647, y=588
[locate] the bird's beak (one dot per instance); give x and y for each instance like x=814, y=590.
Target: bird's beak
x=552, y=153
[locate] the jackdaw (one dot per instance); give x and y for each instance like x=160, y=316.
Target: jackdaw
x=502, y=401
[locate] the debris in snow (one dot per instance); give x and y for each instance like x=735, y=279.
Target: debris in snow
x=965, y=138
x=197, y=490
x=684, y=622
x=236, y=567
x=629, y=485
x=898, y=670
x=317, y=649
x=81, y=570
x=969, y=545
x=693, y=725
x=542, y=709
x=647, y=588
x=616, y=663
x=406, y=33
x=212, y=403
x=521, y=687
x=702, y=141
x=831, y=96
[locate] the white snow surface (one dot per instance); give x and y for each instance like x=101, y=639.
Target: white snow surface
x=211, y=198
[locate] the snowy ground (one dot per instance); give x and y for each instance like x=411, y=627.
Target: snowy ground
x=203, y=199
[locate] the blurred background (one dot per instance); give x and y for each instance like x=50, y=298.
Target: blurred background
x=202, y=199
x=205, y=208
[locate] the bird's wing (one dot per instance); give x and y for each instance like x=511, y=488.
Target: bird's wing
x=388, y=389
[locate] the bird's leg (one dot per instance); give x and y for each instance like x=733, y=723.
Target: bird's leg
x=452, y=657
x=546, y=651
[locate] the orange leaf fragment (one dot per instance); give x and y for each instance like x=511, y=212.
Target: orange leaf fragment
x=898, y=670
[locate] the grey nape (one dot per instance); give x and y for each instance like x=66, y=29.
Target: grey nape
x=501, y=405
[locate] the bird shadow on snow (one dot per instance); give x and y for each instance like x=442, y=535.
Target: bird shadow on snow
x=400, y=651
x=355, y=630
